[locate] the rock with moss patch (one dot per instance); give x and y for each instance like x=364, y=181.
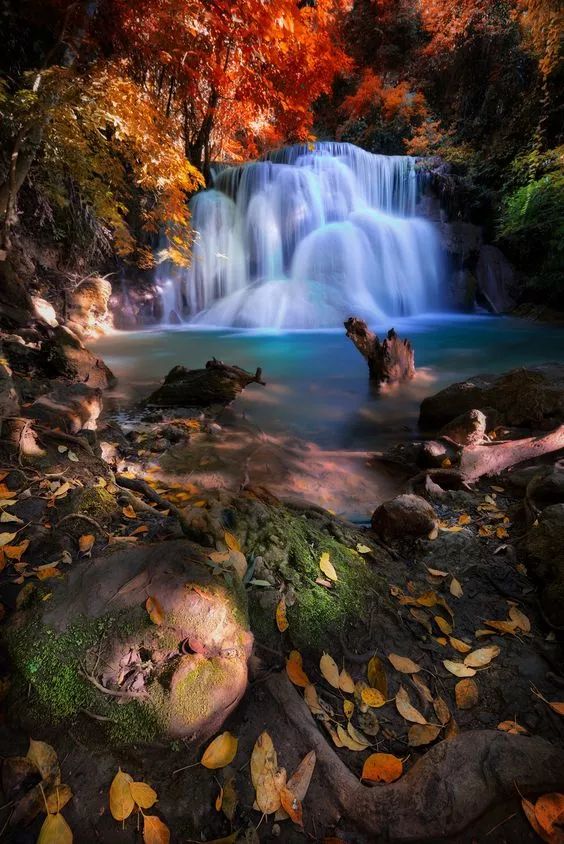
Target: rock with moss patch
x=175, y=672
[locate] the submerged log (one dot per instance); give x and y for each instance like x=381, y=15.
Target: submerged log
x=218, y=383
x=390, y=360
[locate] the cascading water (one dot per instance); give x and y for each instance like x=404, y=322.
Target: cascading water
x=307, y=238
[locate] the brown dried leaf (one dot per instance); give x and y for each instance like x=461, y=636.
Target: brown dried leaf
x=482, y=657
x=405, y=709
x=404, y=664
x=421, y=734
x=154, y=609
x=458, y=668
x=376, y=674
x=466, y=693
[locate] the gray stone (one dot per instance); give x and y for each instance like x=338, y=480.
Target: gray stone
x=467, y=429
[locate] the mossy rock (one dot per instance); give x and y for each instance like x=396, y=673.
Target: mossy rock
x=177, y=674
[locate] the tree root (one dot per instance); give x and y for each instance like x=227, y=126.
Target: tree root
x=449, y=787
x=141, y=486
x=84, y=518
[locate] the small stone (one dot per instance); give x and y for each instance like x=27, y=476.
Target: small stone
x=405, y=515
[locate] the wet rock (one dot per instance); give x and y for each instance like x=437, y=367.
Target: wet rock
x=218, y=383
x=467, y=429
x=522, y=397
x=545, y=546
x=180, y=677
x=66, y=357
x=546, y=487
x=44, y=311
x=496, y=280
x=88, y=303
x=405, y=515
x=72, y=408
x=461, y=549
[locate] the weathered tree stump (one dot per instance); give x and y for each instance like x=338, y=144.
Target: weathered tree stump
x=218, y=383
x=392, y=359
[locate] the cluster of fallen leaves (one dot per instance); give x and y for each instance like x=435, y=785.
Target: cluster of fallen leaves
x=491, y=521
x=546, y=817
x=32, y=783
x=127, y=796
x=274, y=792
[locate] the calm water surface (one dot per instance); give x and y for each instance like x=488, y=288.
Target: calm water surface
x=317, y=383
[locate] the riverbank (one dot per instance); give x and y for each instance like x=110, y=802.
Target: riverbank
x=107, y=514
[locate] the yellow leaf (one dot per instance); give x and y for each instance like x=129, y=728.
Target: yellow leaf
x=382, y=767
x=327, y=567
x=312, y=701
x=348, y=742
x=421, y=734
x=55, y=830
x=86, y=542
x=6, y=538
x=263, y=757
x=143, y=794
x=269, y=785
x=155, y=831
x=376, y=674
x=281, y=619
x=466, y=693
x=357, y=736
x=443, y=624
x=458, y=668
x=456, y=588
x=329, y=669
x=58, y=798
x=481, y=657
x=404, y=664
x=220, y=752
x=45, y=760
x=295, y=671
x=348, y=708
x=406, y=710
x=372, y=697
x=231, y=541
x=464, y=519
x=346, y=683
x=121, y=800
x=154, y=609
x=363, y=549
x=459, y=645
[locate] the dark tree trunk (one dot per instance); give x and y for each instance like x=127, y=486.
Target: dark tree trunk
x=390, y=360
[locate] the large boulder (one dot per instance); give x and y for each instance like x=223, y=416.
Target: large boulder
x=65, y=356
x=69, y=407
x=522, y=397
x=545, y=547
x=87, y=304
x=404, y=516
x=174, y=667
x=496, y=280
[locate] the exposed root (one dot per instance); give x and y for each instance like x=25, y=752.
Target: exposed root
x=446, y=790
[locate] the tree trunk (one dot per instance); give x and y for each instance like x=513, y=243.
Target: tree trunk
x=391, y=360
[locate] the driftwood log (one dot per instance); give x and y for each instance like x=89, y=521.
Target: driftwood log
x=444, y=792
x=493, y=458
x=392, y=359
x=218, y=383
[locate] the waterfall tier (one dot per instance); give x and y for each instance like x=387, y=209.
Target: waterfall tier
x=306, y=238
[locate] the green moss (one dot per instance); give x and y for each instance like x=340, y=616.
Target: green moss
x=96, y=502
x=318, y=613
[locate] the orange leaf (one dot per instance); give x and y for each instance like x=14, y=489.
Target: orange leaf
x=382, y=767
x=295, y=671
x=549, y=809
x=155, y=831
x=155, y=610
x=281, y=619
x=129, y=512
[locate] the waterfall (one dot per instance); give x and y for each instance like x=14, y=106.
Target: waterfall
x=306, y=238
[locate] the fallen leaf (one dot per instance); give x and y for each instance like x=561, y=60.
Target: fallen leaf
x=15, y=552
x=263, y=757
x=549, y=809
x=458, y=668
x=382, y=767
x=143, y=794
x=299, y=782
x=230, y=799
x=86, y=542
x=421, y=734
x=459, y=645
x=363, y=549
x=520, y=619
x=372, y=697
x=348, y=708
x=466, y=693
x=423, y=690
x=231, y=541
x=155, y=831
x=220, y=752
x=281, y=619
x=295, y=671
x=129, y=512
x=219, y=800
x=405, y=708
x=376, y=674
x=327, y=566
x=291, y=805
x=437, y=572
x=347, y=740
x=312, y=701
x=443, y=625
x=422, y=617
x=346, y=682
x=464, y=519
x=268, y=789
x=512, y=727
x=154, y=609
x=404, y=664
x=121, y=800
x=357, y=736
x=72, y=456
x=6, y=538
x=329, y=669
x=503, y=626
x=456, y=588
x=45, y=760
x=482, y=657
x=10, y=517
x=441, y=710
x=55, y=830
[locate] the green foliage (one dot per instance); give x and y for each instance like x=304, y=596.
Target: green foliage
x=532, y=221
